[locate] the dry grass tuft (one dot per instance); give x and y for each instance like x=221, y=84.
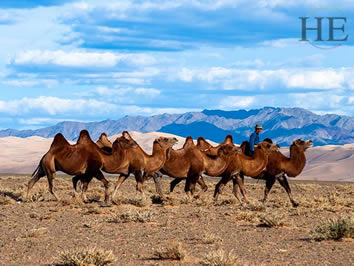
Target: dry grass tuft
x=334, y=229
x=256, y=207
x=85, y=256
x=37, y=193
x=174, y=252
x=132, y=216
x=138, y=202
x=37, y=232
x=209, y=238
x=93, y=210
x=272, y=220
x=220, y=258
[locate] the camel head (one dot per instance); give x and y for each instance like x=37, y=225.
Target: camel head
x=166, y=142
x=268, y=147
x=303, y=145
x=124, y=143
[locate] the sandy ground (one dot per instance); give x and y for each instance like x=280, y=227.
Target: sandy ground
x=35, y=232
x=329, y=163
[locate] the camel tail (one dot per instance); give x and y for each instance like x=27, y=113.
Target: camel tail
x=39, y=170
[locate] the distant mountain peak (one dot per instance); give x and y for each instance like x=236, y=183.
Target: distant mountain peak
x=283, y=125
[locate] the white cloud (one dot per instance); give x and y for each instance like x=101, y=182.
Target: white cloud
x=247, y=79
x=54, y=106
x=80, y=59
x=281, y=43
x=147, y=92
x=29, y=83
x=236, y=102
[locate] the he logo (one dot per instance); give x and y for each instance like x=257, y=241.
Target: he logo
x=335, y=24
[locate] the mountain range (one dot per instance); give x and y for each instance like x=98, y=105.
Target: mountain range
x=283, y=125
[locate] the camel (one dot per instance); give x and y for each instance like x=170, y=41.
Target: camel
x=279, y=166
x=190, y=163
x=106, y=145
x=143, y=165
x=208, y=149
x=84, y=158
x=250, y=166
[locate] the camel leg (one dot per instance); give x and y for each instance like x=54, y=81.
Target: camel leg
x=156, y=176
x=241, y=183
x=120, y=181
x=285, y=184
x=106, y=185
x=203, y=185
x=84, y=187
x=193, y=181
x=51, y=177
x=139, y=178
x=269, y=184
x=220, y=186
x=236, y=182
x=187, y=188
x=174, y=183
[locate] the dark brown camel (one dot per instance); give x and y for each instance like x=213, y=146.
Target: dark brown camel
x=208, y=149
x=190, y=163
x=83, y=158
x=251, y=166
x=104, y=144
x=279, y=166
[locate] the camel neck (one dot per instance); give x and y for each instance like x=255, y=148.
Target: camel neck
x=157, y=159
x=297, y=160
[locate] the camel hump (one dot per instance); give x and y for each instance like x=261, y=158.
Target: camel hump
x=59, y=140
x=188, y=143
x=229, y=140
x=104, y=139
x=201, y=140
x=269, y=140
x=84, y=137
x=126, y=135
x=246, y=147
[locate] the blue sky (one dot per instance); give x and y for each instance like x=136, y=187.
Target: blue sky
x=96, y=60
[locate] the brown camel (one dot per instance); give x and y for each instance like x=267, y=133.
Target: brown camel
x=143, y=165
x=250, y=166
x=190, y=163
x=279, y=166
x=106, y=145
x=83, y=158
x=208, y=149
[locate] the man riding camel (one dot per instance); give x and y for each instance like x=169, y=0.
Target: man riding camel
x=254, y=138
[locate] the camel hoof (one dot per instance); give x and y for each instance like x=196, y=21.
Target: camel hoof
x=105, y=204
x=116, y=202
x=295, y=204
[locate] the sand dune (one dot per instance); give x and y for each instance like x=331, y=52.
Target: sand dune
x=326, y=163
